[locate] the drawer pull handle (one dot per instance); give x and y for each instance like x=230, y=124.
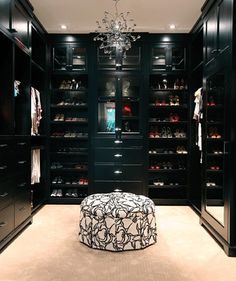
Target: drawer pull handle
x=3, y=224
x=3, y=168
x=118, y=141
x=118, y=155
x=4, y=194
x=21, y=162
x=118, y=172
x=3, y=145
x=22, y=184
x=118, y=190
x=21, y=143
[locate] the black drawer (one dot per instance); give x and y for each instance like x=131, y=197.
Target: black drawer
x=118, y=172
x=6, y=193
x=124, y=155
x=22, y=206
x=5, y=147
x=6, y=221
x=22, y=146
x=124, y=186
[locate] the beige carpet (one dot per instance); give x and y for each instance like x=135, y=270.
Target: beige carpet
x=49, y=250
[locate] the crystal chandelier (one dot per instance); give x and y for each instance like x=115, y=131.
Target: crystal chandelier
x=115, y=32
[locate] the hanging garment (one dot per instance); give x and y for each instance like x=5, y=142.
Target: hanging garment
x=197, y=115
x=198, y=105
x=35, y=166
x=16, y=88
x=36, y=111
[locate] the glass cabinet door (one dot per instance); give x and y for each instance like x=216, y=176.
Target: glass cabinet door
x=132, y=59
x=107, y=89
x=130, y=92
x=60, y=58
x=215, y=157
x=78, y=58
x=168, y=58
x=178, y=58
x=159, y=58
x=106, y=61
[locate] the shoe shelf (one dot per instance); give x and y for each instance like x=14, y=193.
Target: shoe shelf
x=166, y=186
x=69, y=106
x=69, y=138
x=167, y=106
x=214, y=145
x=168, y=137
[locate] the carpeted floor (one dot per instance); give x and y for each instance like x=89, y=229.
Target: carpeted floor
x=49, y=250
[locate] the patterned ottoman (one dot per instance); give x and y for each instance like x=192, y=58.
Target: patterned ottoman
x=117, y=221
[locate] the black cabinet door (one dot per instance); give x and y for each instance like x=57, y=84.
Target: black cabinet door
x=69, y=57
x=22, y=201
x=218, y=29
x=20, y=25
x=211, y=35
x=168, y=57
x=5, y=13
x=113, y=61
x=6, y=221
x=225, y=23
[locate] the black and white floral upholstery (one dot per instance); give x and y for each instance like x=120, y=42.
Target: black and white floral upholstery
x=117, y=221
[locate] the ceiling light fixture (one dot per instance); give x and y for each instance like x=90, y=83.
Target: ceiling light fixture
x=172, y=26
x=63, y=26
x=115, y=32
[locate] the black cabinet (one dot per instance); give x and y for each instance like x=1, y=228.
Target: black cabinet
x=69, y=123
x=15, y=205
x=118, y=164
x=217, y=29
x=168, y=57
x=69, y=57
x=218, y=181
x=20, y=26
x=168, y=138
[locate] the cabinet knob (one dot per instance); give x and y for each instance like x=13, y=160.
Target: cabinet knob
x=118, y=155
x=3, y=168
x=118, y=190
x=118, y=141
x=22, y=184
x=3, y=145
x=215, y=51
x=4, y=194
x=21, y=143
x=21, y=162
x=118, y=172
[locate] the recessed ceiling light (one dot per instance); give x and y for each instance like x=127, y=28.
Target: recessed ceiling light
x=172, y=26
x=63, y=26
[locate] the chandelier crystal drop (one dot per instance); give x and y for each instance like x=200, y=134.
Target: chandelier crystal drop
x=115, y=32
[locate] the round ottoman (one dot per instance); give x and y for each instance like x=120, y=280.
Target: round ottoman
x=117, y=221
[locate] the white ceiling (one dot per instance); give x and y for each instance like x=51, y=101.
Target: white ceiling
x=153, y=16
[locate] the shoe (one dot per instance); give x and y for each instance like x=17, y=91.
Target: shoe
x=163, y=132
x=74, y=193
x=168, y=132
x=176, y=84
x=158, y=182
x=54, y=193
x=59, y=193
x=68, y=193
